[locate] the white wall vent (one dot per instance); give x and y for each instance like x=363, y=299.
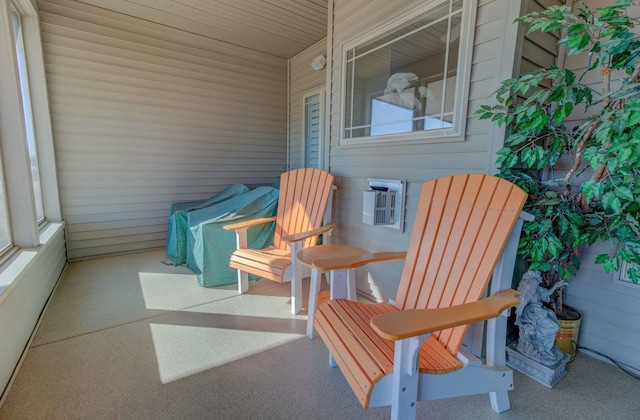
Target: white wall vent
x=383, y=203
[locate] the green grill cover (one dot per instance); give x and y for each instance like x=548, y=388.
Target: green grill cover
x=176, y=246
x=209, y=246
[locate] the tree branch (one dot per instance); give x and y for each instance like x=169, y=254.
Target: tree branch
x=579, y=152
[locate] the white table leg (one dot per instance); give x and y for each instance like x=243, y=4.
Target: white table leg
x=338, y=284
x=314, y=289
x=343, y=284
x=351, y=284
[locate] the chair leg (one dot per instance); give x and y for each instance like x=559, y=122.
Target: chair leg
x=332, y=361
x=314, y=289
x=296, y=279
x=496, y=356
x=243, y=277
x=499, y=401
x=405, y=378
x=243, y=282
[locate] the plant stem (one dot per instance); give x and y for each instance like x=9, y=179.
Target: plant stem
x=579, y=151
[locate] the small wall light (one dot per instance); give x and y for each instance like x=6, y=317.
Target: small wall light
x=319, y=62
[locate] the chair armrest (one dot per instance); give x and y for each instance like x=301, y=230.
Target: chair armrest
x=356, y=261
x=297, y=237
x=248, y=223
x=415, y=322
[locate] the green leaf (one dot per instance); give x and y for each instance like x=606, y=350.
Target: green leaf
x=619, y=3
x=625, y=155
x=516, y=139
x=607, y=198
x=607, y=266
x=634, y=119
x=544, y=226
x=563, y=225
x=616, y=205
x=624, y=193
x=527, y=157
x=511, y=161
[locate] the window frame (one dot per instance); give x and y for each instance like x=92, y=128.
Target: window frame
x=621, y=277
x=396, y=23
x=21, y=207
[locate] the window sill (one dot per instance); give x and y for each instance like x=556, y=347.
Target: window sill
x=23, y=258
x=400, y=140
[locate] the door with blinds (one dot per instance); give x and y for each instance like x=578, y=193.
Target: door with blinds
x=313, y=112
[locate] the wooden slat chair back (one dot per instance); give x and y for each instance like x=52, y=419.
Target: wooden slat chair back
x=461, y=228
x=462, y=224
x=302, y=203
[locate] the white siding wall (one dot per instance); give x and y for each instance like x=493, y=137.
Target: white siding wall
x=413, y=163
x=144, y=115
x=610, y=309
x=303, y=79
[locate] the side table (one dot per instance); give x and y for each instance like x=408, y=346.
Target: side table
x=342, y=282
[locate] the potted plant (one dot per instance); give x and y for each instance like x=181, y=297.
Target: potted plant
x=574, y=148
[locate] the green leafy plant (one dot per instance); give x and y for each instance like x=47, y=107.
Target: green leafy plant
x=576, y=149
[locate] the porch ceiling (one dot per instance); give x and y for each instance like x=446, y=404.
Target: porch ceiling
x=279, y=27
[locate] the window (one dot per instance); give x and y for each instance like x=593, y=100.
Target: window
x=27, y=112
x=624, y=277
x=29, y=188
x=409, y=82
x=5, y=232
x=312, y=131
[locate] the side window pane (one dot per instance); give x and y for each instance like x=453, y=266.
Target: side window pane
x=28, y=115
x=5, y=232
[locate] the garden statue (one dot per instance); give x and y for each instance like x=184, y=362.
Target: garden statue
x=538, y=325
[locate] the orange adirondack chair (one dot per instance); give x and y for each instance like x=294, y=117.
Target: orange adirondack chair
x=398, y=354
x=304, y=194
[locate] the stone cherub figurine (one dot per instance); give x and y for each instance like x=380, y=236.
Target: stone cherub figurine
x=538, y=325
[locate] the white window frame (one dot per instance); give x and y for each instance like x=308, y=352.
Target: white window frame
x=322, y=93
x=453, y=134
x=15, y=155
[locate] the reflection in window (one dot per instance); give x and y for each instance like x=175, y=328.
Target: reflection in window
x=389, y=118
x=405, y=81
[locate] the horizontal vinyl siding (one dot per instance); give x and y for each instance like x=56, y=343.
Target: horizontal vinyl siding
x=145, y=115
x=609, y=309
x=539, y=50
x=303, y=79
x=415, y=163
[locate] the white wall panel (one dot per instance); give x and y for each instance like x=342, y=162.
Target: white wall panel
x=144, y=115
